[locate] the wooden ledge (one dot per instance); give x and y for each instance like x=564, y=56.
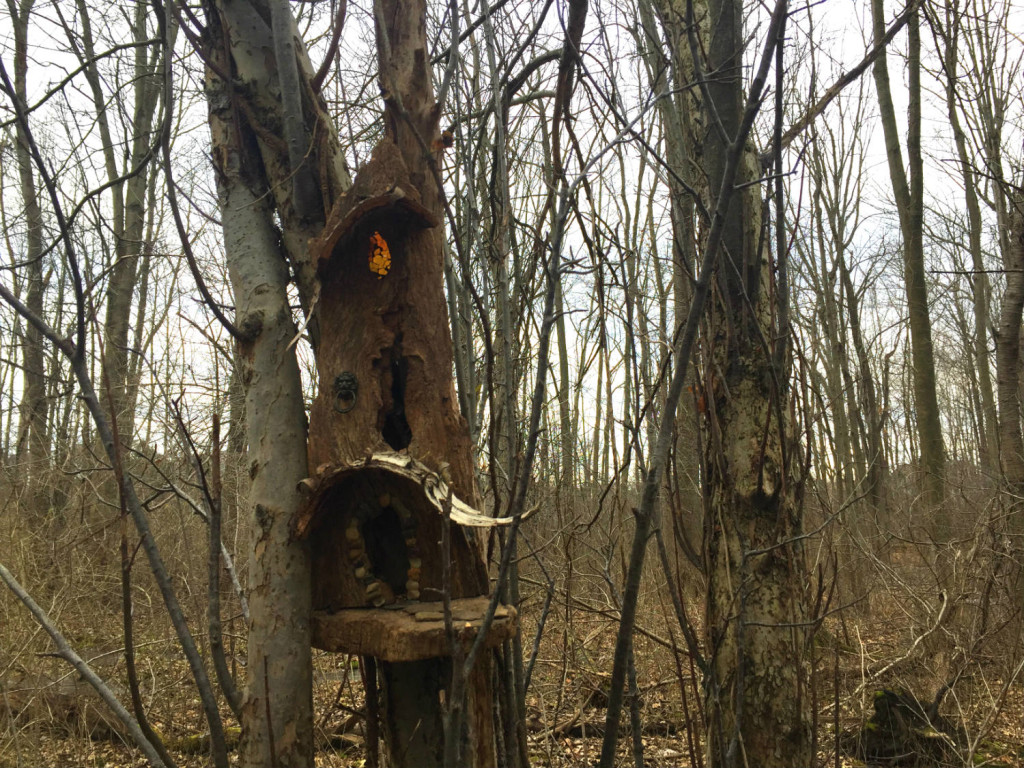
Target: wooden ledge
x=409, y=631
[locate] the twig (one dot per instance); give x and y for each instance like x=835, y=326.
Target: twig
x=172, y=199
x=541, y=620
x=229, y=563
x=84, y=669
x=913, y=647
x=835, y=89
x=127, y=612
x=75, y=351
x=220, y=665
x=332, y=49
x=455, y=701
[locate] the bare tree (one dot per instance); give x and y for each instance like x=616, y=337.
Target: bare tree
x=910, y=207
x=988, y=428
x=33, y=448
x=258, y=176
x=74, y=348
x=757, y=609
x=385, y=352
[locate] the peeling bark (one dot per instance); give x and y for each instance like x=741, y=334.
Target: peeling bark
x=250, y=36
x=383, y=347
x=386, y=351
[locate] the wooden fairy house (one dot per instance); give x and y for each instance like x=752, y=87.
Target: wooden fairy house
x=385, y=351
x=392, y=451
x=376, y=531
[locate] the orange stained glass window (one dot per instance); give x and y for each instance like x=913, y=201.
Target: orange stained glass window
x=380, y=255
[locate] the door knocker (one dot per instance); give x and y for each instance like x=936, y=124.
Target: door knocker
x=345, y=389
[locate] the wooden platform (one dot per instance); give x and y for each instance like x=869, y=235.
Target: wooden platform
x=410, y=631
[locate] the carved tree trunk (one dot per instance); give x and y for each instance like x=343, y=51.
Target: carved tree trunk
x=368, y=263
x=386, y=352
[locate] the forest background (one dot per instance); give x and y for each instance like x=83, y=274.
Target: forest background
x=872, y=263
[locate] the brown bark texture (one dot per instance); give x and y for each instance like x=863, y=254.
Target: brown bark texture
x=1011, y=442
x=384, y=364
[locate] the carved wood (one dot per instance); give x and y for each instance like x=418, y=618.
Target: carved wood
x=411, y=631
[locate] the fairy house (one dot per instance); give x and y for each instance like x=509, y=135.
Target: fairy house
x=391, y=513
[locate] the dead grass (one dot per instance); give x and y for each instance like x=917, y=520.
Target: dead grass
x=71, y=566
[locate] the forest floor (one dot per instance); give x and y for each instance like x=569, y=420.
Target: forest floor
x=891, y=645
x=50, y=724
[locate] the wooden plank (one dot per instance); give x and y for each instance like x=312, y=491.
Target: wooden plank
x=409, y=631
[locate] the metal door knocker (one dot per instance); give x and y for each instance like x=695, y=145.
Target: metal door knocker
x=345, y=388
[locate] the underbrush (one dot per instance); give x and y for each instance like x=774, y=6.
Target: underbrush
x=900, y=674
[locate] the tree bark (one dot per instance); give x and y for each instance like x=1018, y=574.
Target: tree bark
x=33, y=449
x=756, y=615
x=1008, y=344
x=682, y=157
x=277, y=709
x=388, y=331
x=255, y=29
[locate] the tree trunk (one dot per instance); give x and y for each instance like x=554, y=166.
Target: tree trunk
x=682, y=151
x=255, y=182
x=989, y=443
x=1011, y=442
x=385, y=327
x=128, y=203
x=877, y=468
x=288, y=115
x=33, y=448
x=910, y=206
x=278, y=707
x=757, y=713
